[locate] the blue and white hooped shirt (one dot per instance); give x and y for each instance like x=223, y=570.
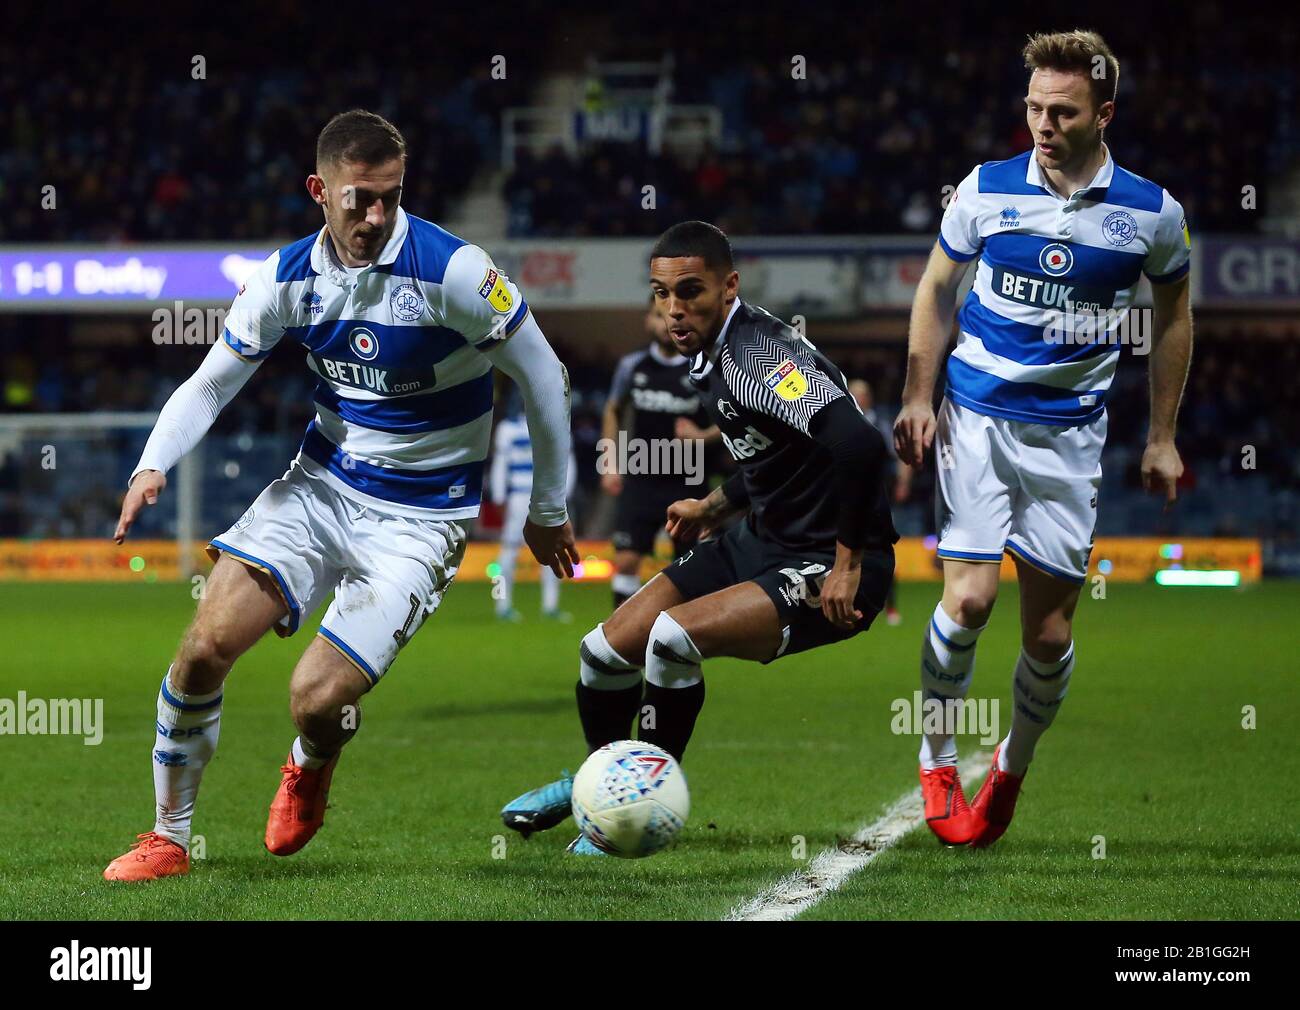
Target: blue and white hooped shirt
x=1041, y=327
x=404, y=394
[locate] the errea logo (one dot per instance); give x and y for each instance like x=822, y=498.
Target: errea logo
x=1010, y=218
x=747, y=445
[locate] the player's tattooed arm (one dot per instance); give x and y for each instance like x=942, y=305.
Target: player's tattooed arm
x=696, y=518
x=1171, y=356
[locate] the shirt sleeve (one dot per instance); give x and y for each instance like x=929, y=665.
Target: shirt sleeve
x=191, y=409
x=623, y=377
x=959, y=232
x=254, y=324
x=544, y=385
x=1171, y=252
x=479, y=301
x=779, y=380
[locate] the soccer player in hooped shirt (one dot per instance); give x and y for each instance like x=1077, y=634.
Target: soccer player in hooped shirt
x=1061, y=235
x=811, y=562
x=402, y=324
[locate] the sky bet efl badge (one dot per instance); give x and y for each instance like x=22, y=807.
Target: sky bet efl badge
x=787, y=381
x=495, y=291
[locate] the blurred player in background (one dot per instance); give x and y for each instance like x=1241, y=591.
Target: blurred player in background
x=860, y=390
x=1063, y=235
x=511, y=480
x=810, y=563
x=651, y=398
x=402, y=322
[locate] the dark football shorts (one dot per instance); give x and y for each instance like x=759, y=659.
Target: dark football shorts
x=642, y=511
x=791, y=578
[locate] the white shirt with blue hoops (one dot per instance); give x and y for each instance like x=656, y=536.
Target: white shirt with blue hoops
x=1040, y=330
x=403, y=393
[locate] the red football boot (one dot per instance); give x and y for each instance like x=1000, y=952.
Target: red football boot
x=994, y=804
x=153, y=856
x=298, y=810
x=946, y=811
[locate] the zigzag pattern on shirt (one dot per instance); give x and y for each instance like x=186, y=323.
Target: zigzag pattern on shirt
x=751, y=357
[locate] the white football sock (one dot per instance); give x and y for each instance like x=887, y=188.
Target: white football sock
x=304, y=760
x=947, y=665
x=550, y=591
x=671, y=658
x=1036, y=693
x=506, y=559
x=625, y=585
x=603, y=669
x=185, y=739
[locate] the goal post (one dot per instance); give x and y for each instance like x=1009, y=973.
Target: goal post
x=62, y=477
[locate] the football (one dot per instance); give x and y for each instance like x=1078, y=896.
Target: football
x=630, y=799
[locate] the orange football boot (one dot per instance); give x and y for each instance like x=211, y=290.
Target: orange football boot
x=298, y=810
x=153, y=856
x=994, y=804
x=946, y=811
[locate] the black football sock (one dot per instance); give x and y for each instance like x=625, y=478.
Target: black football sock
x=672, y=715
x=607, y=715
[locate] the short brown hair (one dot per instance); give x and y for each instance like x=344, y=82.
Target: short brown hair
x=359, y=136
x=1077, y=51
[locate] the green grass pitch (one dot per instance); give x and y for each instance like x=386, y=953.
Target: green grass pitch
x=1149, y=752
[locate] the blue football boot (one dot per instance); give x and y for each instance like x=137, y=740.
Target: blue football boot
x=540, y=808
x=580, y=846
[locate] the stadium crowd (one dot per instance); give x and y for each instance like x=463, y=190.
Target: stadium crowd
x=1242, y=393
x=884, y=120
x=888, y=112
x=145, y=151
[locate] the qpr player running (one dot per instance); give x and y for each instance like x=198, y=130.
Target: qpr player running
x=402, y=323
x=1062, y=236
x=809, y=565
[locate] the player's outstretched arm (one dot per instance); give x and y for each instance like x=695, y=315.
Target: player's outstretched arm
x=927, y=339
x=1171, y=358
x=184, y=420
x=544, y=385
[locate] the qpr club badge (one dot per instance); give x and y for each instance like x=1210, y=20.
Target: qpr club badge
x=406, y=302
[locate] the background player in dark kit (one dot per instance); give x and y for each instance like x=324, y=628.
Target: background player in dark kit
x=652, y=399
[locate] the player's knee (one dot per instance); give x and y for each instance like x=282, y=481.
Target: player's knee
x=1049, y=640
x=204, y=659
x=974, y=605
x=321, y=707
x=626, y=632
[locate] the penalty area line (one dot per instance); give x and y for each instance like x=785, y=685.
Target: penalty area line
x=799, y=891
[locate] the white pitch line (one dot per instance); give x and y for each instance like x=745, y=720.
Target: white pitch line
x=798, y=892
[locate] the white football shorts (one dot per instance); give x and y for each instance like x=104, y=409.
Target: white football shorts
x=1030, y=489
x=388, y=573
